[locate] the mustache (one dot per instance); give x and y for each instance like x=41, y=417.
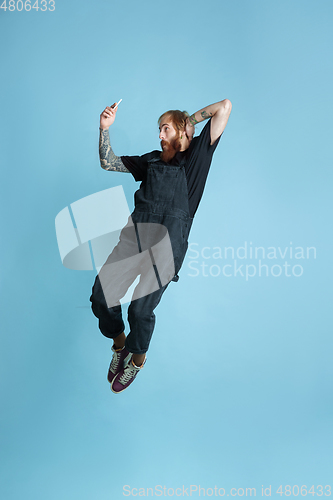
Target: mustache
x=174, y=144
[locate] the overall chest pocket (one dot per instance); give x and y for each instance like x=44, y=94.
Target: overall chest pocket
x=162, y=183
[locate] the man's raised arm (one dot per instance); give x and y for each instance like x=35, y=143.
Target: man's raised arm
x=219, y=112
x=109, y=161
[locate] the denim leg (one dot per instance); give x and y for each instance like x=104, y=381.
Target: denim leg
x=141, y=315
x=110, y=322
x=115, y=277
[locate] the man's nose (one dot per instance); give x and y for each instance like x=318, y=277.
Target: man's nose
x=161, y=136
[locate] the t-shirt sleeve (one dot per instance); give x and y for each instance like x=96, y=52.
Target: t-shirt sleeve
x=197, y=167
x=203, y=140
x=135, y=165
x=138, y=165
x=200, y=149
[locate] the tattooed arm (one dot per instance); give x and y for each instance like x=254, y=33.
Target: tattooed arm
x=109, y=161
x=219, y=112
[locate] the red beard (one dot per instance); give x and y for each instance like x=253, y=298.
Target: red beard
x=170, y=149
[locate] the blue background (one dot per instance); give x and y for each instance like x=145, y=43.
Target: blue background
x=237, y=388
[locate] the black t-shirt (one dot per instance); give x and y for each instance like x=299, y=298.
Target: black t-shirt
x=198, y=159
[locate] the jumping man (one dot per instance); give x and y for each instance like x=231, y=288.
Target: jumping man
x=172, y=184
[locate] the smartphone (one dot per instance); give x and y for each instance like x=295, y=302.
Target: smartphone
x=117, y=104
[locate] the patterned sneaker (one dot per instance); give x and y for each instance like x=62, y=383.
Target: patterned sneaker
x=126, y=376
x=117, y=362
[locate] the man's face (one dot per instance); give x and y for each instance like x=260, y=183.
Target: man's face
x=170, y=142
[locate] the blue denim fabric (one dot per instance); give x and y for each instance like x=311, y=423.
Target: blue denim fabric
x=161, y=199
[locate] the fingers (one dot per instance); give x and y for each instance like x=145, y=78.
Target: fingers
x=109, y=111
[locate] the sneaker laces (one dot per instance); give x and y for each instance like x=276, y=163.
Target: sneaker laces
x=115, y=360
x=130, y=371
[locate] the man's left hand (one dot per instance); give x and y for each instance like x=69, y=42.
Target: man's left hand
x=189, y=129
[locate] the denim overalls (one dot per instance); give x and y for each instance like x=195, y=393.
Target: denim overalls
x=162, y=200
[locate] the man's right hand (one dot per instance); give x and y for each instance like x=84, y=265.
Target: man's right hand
x=108, y=116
